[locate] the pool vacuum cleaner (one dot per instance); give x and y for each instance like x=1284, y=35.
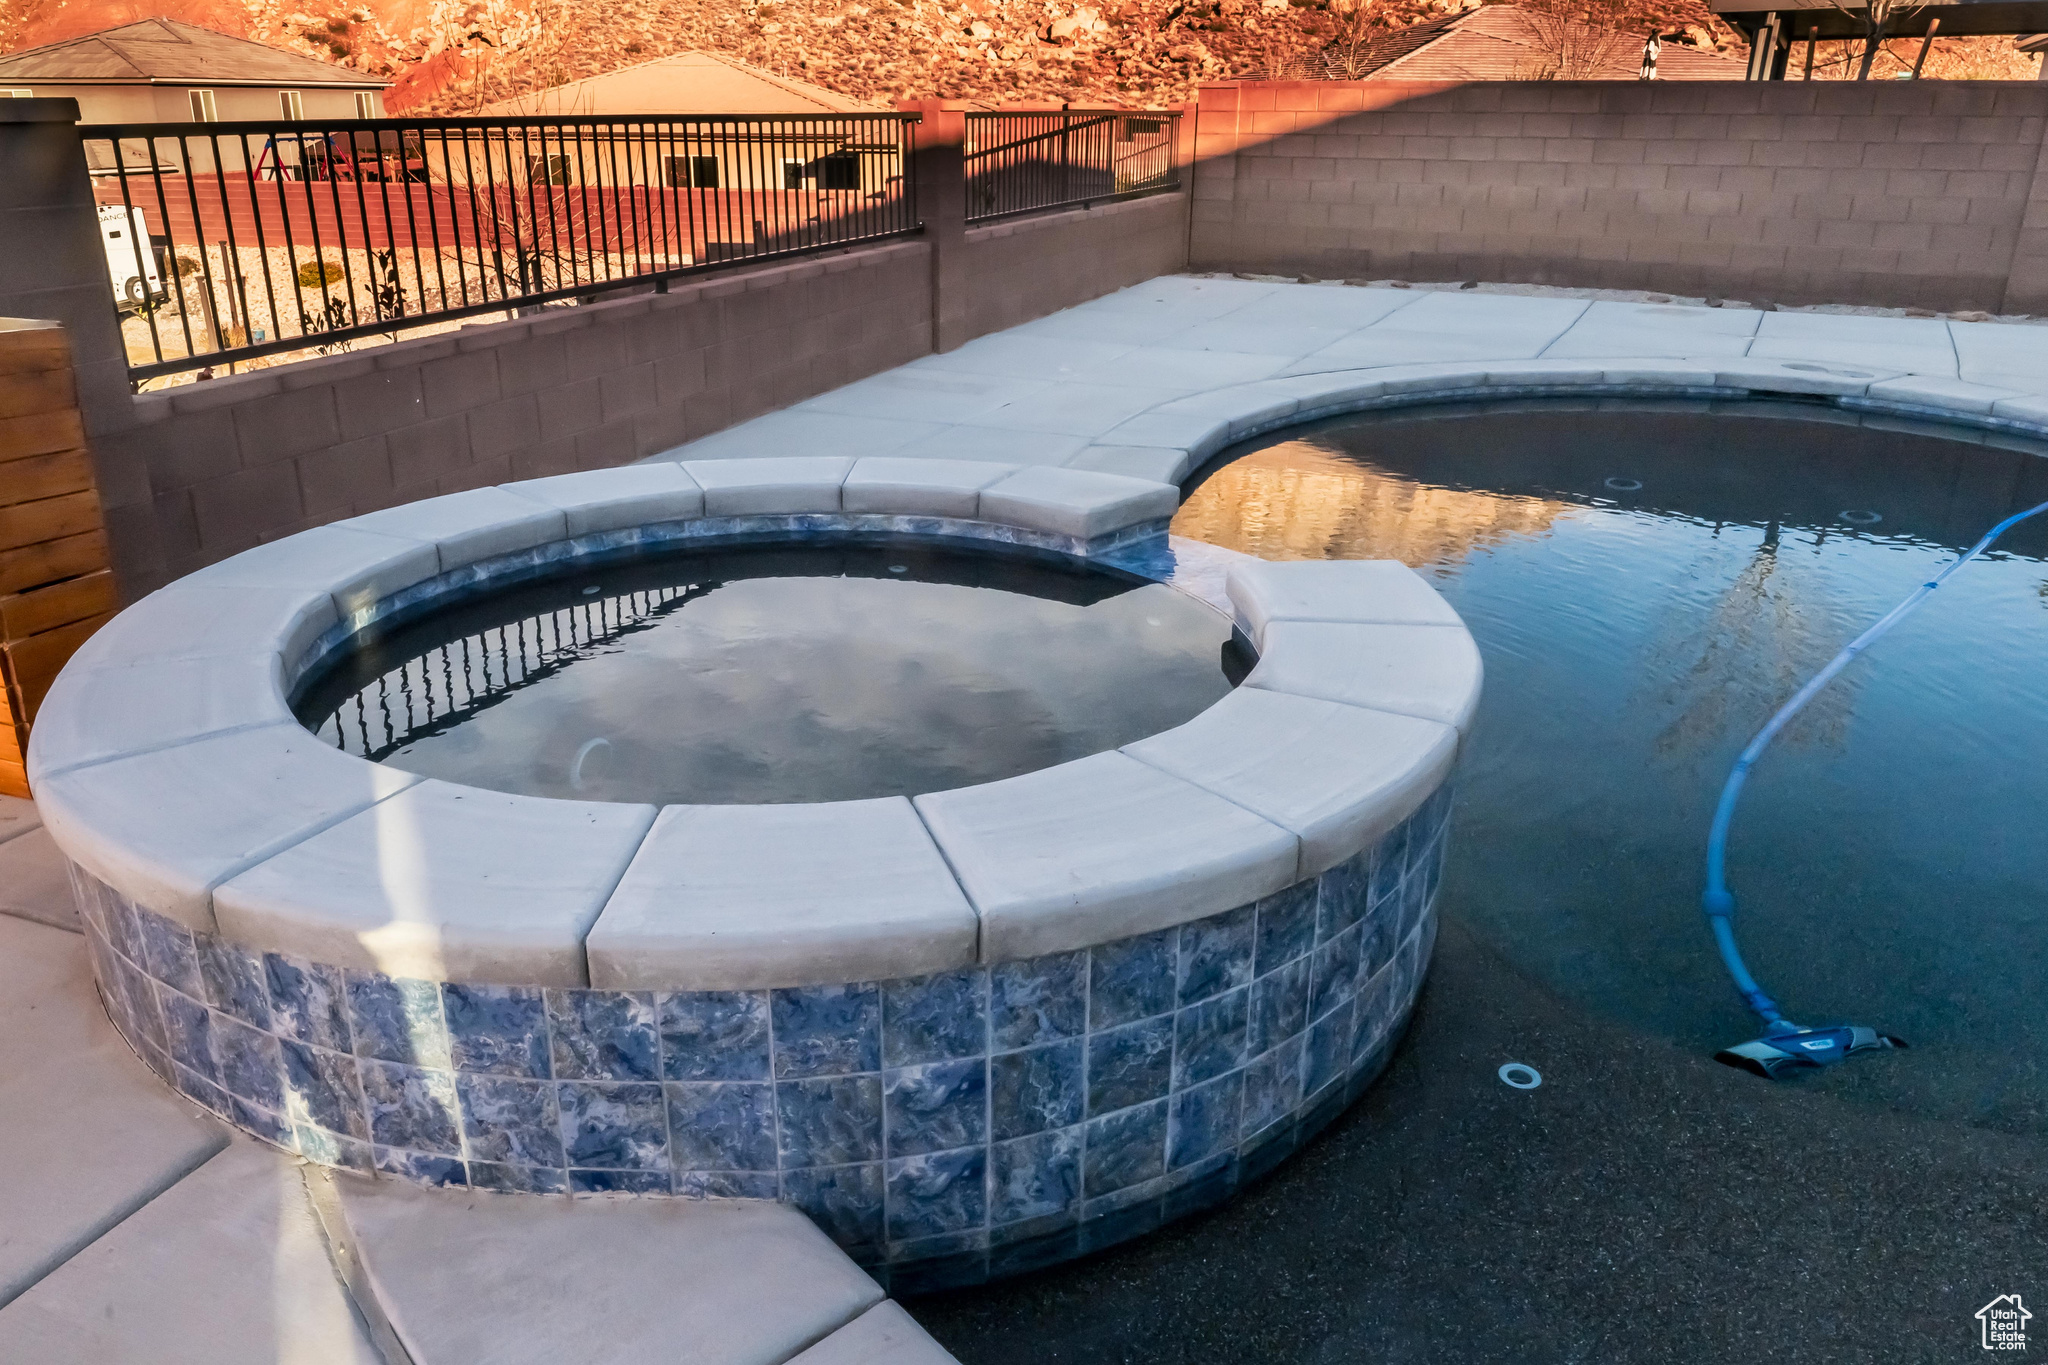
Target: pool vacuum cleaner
x=1787, y=1047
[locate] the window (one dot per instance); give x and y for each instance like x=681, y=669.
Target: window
x=792, y=175
x=839, y=171
x=552, y=169
x=693, y=172
x=17, y=94
x=290, y=105
x=202, y=107
x=1144, y=127
x=366, y=104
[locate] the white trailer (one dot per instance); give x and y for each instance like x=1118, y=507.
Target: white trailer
x=131, y=263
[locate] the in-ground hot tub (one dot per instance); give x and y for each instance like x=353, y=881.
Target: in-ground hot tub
x=970, y=1030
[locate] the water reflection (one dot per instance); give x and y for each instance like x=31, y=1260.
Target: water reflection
x=1890, y=856
x=779, y=675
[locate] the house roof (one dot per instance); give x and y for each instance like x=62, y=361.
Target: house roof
x=1496, y=42
x=172, y=52
x=686, y=83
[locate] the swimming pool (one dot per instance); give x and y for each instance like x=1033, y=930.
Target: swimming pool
x=1647, y=582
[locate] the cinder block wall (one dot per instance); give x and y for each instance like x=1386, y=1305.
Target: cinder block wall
x=1026, y=268
x=1895, y=193
x=245, y=459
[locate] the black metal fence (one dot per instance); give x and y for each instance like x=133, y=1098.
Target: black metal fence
x=227, y=242
x=1032, y=162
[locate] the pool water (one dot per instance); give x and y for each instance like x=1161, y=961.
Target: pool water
x=1647, y=584
x=779, y=674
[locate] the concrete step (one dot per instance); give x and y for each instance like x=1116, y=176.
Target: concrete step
x=87, y=1134
x=227, y=1267
x=511, y=1279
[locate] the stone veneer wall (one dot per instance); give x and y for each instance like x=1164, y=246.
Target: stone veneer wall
x=944, y=1129
x=1898, y=193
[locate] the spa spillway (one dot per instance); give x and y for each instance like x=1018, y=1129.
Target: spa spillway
x=970, y=1030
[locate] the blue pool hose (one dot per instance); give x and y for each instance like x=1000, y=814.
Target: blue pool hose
x=1718, y=900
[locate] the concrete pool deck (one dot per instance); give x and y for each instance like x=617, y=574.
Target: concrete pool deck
x=1702, y=1190
x=1153, y=380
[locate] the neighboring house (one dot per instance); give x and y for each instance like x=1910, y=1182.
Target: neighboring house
x=167, y=71
x=1495, y=43
x=742, y=146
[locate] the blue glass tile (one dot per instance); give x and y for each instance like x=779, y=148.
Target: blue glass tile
x=1286, y=926
x=510, y=1121
x=722, y=1126
x=124, y=934
x=714, y=1036
x=936, y=1106
x=248, y=1062
x=491, y=1175
x=1329, y=1051
x=931, y=1264
x=1388, y=865
x=1279, y=1005
x=1342, y=895
x=261, y=1120
x=1335, y=977
x=827, y=1030
x=1125, y=1149
x=938, y=1192
x=139, y=1005
x=1216, y=954
x=411, y=1107
x=188, y=1030
x=844, y=1201
x=609, y=1180
x=1272, y=1085
x=200, y=1090
x=331, y=1149
x=168, y=954
x=321, y=1088
x=830, y=1122
x=308, y=1002
x=1380, y=935
x=1272, y=1146
x=728, y=1184
x=1038, y=1000
x=1036, y=1089
x=398, y=1020
x=1209, y=1038
x=500, y=1030
x=1414, y=896
x=1129, y=1065
x=234, y=980
x=934, y=1018
x=1033, y=1244
x=1035, y=1177
x=613, y=1127
x=1131, y=979
x=1204, y=1121
x=603, y=1035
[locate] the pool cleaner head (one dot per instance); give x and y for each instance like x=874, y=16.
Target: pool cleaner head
x=1787, y=1047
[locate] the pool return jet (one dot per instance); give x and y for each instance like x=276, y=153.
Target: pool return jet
x=1785, y=1046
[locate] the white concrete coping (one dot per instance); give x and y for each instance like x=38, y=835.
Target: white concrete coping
x=1098, y=849
x=612, y=499
x=167, y=826
x=444, y=883
x=939, y=488
x=775, y=486
x=786, y=895
x=1076, y=502
x=466, y=527
x=170, y=767
x=1362, y=592
x=1334, y=775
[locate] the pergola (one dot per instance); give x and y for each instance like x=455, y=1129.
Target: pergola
x=1773, y=28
